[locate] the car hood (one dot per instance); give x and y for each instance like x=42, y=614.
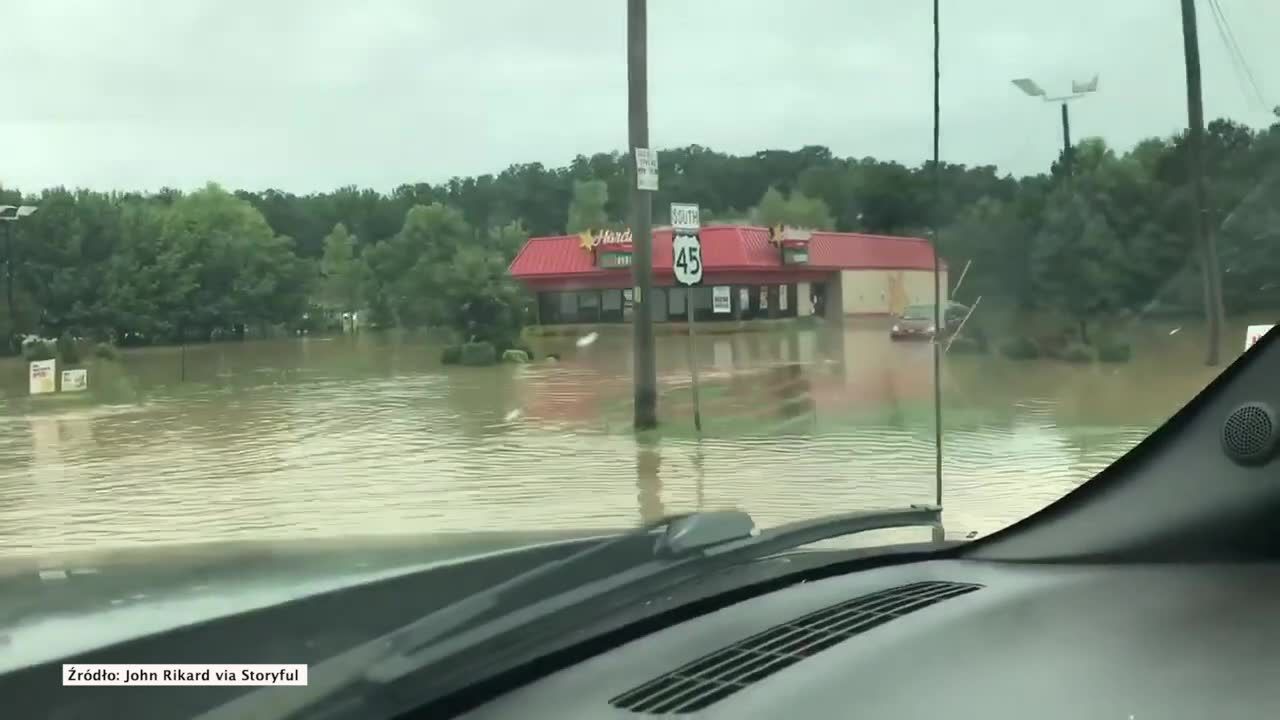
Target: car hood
x=53, y=614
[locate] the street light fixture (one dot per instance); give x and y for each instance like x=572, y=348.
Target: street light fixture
x=11, y=214
x=1078, y=90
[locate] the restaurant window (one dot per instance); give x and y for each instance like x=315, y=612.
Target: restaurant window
x=676, y=298
x=611, y=306
x=589, y=306
x=702, y=302
x=548, y=308
x=658, y=304
x=568, y=307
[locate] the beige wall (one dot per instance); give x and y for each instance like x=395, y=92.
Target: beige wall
x=883, y=292
x=802, y=297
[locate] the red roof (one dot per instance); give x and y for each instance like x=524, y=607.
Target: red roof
x=730, y=248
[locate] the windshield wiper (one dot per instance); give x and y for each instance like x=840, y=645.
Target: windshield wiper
x=586, y=585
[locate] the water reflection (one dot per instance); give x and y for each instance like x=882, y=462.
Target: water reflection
x=369, y=435
x=649, y=479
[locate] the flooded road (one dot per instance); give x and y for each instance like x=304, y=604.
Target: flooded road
x=329, y=438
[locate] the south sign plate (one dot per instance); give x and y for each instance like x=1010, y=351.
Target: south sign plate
x=686, y=251
x=684, y=216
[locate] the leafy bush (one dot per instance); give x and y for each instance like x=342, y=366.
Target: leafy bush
x=68, y=350
x=1020, y=348
x=1079, y=353
x=978, y=336
x=478, y=354
x=1114, y=351
x=451, y=355
x=106, y=351
x=515, y=356
x=39, y=350
x=966, y=346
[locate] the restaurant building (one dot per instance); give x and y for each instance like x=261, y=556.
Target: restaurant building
x=749, y=273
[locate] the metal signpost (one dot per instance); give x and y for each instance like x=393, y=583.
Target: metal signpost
x=686, y=253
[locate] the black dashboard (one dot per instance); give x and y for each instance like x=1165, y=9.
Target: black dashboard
x=994, y=640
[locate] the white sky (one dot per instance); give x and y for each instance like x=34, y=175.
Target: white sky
x=310, y=95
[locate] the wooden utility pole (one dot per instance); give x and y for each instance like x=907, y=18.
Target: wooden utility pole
x=644, y=367
x=1195, y=157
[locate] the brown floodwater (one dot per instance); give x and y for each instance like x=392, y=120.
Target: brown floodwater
x=327, y=438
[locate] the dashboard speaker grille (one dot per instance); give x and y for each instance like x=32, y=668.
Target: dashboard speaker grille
x=1249, y=433
x=724, y=672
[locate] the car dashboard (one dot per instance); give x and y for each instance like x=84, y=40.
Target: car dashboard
x=954, y=638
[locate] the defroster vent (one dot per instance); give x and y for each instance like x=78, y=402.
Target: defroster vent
x=724, y=672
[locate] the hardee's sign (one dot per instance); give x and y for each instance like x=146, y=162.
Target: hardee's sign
x=789, y=237
x=793, y=244
x=589, y=241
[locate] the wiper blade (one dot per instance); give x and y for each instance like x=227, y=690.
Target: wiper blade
x=579, y=588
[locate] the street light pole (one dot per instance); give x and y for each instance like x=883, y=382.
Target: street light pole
x=645, y=367
x=1066, y=139
x=1078, y=90
x=11, y=214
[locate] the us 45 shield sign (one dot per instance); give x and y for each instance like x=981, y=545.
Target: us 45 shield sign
x=687, y=252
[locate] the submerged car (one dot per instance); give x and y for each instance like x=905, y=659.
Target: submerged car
x=916, y=321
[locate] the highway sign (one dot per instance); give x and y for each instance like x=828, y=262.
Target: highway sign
x=685, y=216
x=686, y=249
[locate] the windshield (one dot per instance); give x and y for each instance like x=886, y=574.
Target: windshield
x=289, y=294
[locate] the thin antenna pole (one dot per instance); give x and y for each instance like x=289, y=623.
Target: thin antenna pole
x=937, y=281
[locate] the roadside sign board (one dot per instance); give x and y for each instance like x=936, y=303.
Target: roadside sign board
x=687, y=263
x=1254, y=334
x=685, y=216
x=75, y=380
x=44, y=377
x=647, y=169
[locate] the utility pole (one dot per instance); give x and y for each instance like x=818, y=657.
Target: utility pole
x=1195, y=156
x=645, y=367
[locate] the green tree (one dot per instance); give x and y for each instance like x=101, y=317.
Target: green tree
x=62, y=255
x=587, y=209
x=343, y=275
x=1074, y=261
x=796, y=210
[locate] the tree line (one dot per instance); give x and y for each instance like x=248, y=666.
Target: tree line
x=1111, y=236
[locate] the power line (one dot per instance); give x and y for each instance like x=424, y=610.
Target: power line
x=1244, y=74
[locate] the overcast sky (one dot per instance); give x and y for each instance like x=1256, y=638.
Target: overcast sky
x=310, y=95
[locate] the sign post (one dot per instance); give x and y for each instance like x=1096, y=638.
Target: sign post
x=1254, y=334
x=686, y=253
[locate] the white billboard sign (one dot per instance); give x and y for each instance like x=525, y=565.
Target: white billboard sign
x=43, y=376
